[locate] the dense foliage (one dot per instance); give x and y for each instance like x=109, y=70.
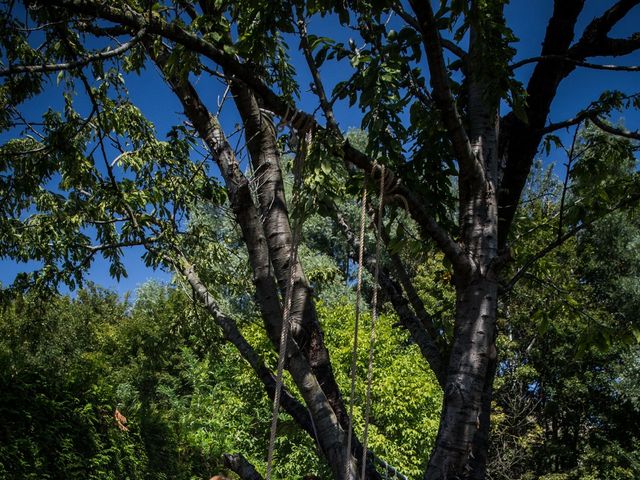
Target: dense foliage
x=564, y=401
x=507, y=336
x=70, y=364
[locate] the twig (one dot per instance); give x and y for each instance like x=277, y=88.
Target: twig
x=55, y=67
x=619, y=131
x=578, y=63
x=566, y=179
x=315, y=74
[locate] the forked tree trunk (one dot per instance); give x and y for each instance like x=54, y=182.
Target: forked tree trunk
x=329, y=433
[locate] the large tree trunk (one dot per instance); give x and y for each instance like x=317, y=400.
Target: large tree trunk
x=265, y=159
x=305, y=326
x=461, y=445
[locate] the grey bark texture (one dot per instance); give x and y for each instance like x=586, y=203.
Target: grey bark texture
x=330, y=434
x=461, y=449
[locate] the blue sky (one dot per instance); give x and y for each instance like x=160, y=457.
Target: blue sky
x=528, y=20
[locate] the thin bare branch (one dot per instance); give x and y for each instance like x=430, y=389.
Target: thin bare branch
x=619, y=131
x=56, y=67
x=114, y=246
x=579, y=63
x=319, y=89
x=593, y=111
x=540, y=254
x=579, y=118
x=565, y=184
x=560, y=240
x=109, y=167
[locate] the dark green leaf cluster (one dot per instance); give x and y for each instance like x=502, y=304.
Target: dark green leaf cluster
x=91, y=185
x=564, y=404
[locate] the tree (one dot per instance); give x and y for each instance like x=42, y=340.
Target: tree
x=570, y=417
x=433, y=150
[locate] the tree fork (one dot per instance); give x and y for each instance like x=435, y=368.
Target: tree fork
x=264, y=154
x=330, y=433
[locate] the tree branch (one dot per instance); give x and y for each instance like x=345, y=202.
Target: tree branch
x=300, y=414
x=631, y=200
x=117, y=245
x=454, y=48
x=175, y=32
x=565, y=184
x=603, y=24
x=241, y=466
x=619, y=131
x=418, y=212
x=319, y=90
x=614, y=47
x=274, y=215
x=579, y=63
x=330, y=432
x=595, y=40
x=520, y=139
x=393, y=293
x=233, y=335
x=442, y=94
x=412, y=22
x=296, y=118
x=412, y=294
x=55, y=67
x=114, y=31
x=595, y=111
x=579, y=118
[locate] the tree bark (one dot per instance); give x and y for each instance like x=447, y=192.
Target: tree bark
x=265, y=158
x=241, y=466
x=461, y=444
x=306, y=329
x=330, y=434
